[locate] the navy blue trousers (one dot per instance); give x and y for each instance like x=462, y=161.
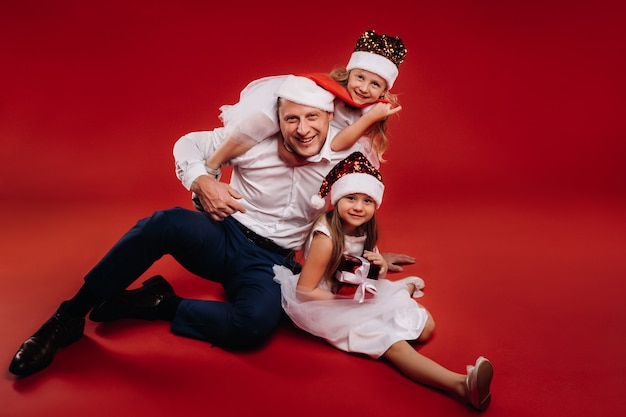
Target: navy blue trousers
x=214, y=250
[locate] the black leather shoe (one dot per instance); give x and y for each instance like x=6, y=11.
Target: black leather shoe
x=37, y=351
x=141, y=303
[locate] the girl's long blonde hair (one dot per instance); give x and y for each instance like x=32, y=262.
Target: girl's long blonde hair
x=337, y=236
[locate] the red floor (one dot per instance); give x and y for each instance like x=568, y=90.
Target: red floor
x=505, y=179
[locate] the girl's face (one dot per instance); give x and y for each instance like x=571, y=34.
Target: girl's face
x=355, y=210
x=365, y=87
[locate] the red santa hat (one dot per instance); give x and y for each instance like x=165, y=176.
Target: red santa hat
x=380, y=54
x=352, y=175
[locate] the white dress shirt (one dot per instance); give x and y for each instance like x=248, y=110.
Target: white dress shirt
x=277, y=197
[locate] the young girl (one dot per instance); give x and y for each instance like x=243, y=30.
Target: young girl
x=353, y=307
x=362, y=108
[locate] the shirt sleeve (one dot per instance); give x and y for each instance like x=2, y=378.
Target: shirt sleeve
x=190, y=153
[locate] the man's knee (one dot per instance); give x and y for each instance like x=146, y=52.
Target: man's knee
x=252, y=331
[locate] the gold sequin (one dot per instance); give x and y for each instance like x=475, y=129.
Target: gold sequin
x=355, y=163
x=390, y=47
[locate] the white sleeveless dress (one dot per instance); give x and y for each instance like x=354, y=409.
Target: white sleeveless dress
x=369, y=327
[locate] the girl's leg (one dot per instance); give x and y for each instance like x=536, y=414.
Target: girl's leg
x=472, y=389
x=228, y=150
x=425, y=371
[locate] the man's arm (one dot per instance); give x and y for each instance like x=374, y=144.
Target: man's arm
x=218, y=199
x=190, y=153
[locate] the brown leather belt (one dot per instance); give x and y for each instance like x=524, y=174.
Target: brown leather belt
x=264, y=242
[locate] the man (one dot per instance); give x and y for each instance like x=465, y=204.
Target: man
x=257, y=221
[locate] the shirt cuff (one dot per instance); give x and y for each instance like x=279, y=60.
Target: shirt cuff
x=192, y=172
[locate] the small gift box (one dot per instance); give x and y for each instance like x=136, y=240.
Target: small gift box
x=352, y=275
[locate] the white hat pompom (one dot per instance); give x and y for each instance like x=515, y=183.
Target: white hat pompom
x=317, y=201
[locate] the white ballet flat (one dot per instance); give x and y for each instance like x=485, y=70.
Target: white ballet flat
x=417, y=281
x=478, y=382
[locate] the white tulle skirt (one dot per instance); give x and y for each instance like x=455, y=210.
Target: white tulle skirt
x=370, y=327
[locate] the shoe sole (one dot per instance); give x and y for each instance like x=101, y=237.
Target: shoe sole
x=484, y=375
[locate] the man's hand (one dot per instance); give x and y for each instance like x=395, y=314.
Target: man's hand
x=394, y=260
x=218, y=199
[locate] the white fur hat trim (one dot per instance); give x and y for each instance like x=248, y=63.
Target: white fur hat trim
x=302, y=90
x=375, y=63
x=357, y=182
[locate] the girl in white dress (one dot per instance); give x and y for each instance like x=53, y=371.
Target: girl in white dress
x=351, y=305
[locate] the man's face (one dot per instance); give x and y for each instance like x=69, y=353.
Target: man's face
x=304, y=128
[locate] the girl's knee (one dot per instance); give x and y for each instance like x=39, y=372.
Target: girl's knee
x=428, y=330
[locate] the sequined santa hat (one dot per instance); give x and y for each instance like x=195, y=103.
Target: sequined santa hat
x=352, y=175
x=380, y=54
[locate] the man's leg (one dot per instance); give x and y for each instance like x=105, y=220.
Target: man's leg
x=179, y=231
x=192, y=238
x=252, y=309
x=246, y=320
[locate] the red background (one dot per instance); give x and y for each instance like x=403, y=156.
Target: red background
x=506, y=179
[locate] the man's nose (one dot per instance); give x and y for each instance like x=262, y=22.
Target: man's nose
x=303, y=127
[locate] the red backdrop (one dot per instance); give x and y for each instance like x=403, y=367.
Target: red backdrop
x=506, y=178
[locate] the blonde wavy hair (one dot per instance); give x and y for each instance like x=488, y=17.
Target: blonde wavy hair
x=335, y=226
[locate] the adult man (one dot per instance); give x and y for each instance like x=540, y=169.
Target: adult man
x=264, y=226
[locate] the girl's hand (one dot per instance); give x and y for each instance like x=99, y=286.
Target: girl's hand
x=380, y=111
x=377, y=259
